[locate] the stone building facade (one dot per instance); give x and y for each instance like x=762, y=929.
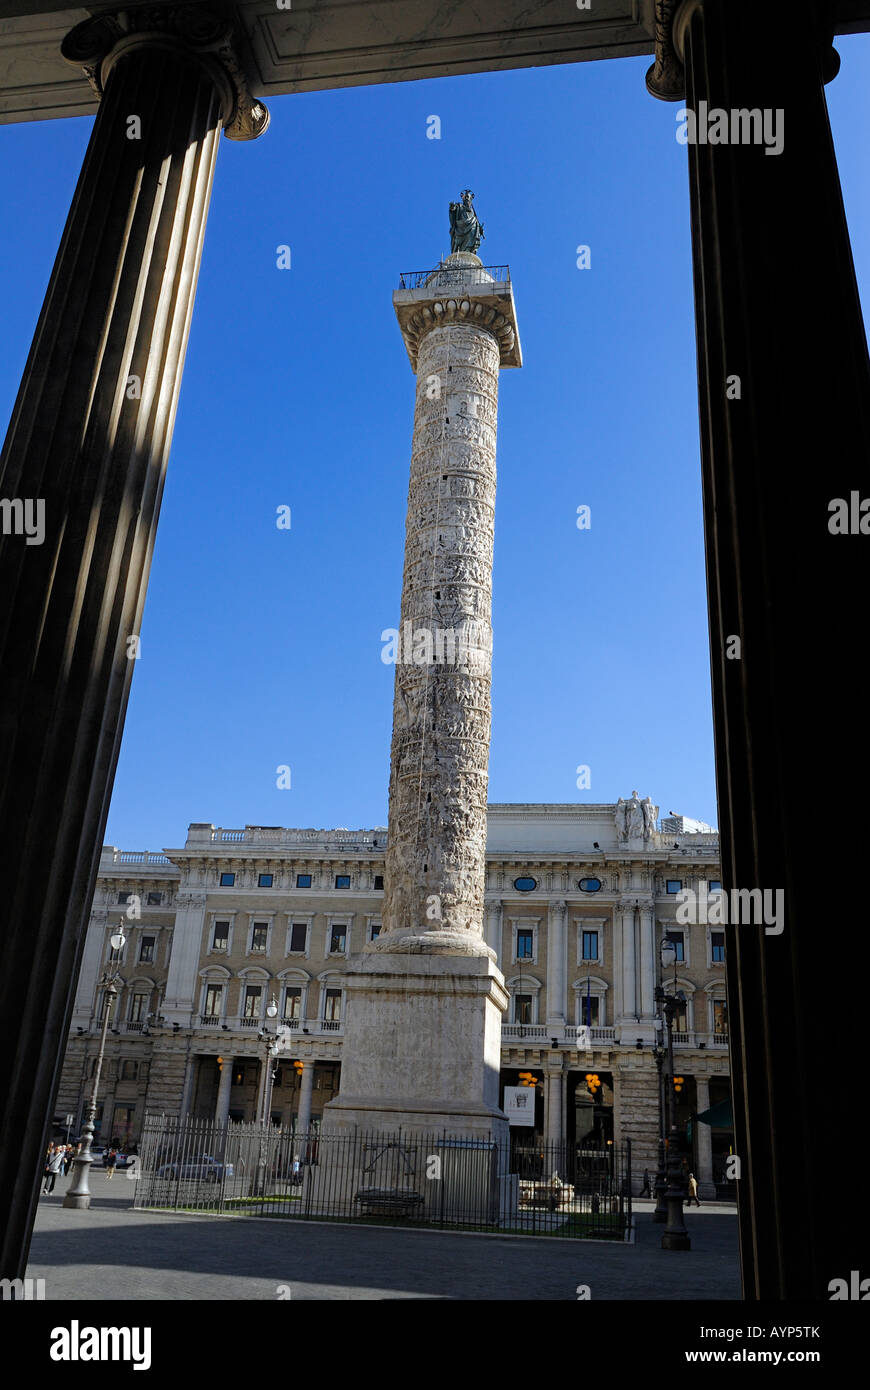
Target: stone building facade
x=578, y=901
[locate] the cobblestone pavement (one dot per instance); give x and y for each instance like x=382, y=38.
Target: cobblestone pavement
x=113, y=1252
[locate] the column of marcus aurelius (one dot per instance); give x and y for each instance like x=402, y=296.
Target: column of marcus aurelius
x=423, y=1020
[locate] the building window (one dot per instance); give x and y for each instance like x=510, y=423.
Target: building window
x=714, y=886
x=129, y=1070
x=228, y=880
x=525, y=885
x=303, y=880
x=681, y=1018
x=124, y=898
x=342, y=880
x=146, y=950
x=674, y=885
x=522, y=1008
x=264, y=881
x=590, y=1011
x=589, y=945
x=253, y=996
x=717, y=947
x=678, y=940
x=214, y=996
x=338, y=940
x=293, y=1001
x=155, y=899
x=238, y=1076
x=525, y=944
x=589, y=885
x=220, y=940
x=375, y=931
x=298, y=937
x=138, y=1008
x=332, y=1006
x=259, y=937
x=379, y=883
x=720, y=1016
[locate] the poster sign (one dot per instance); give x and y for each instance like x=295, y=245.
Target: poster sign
x=519, y=1105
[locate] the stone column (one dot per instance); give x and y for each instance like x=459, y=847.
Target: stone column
x=554, y=1109
x=704, y=1147
x=429, y=989
x=784, y=383
x=556, y=948
x=303, y=1121
x=434, y=868
x=222, y=1108
x=87, y=446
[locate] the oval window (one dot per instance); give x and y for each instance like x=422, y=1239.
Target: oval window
x=589, y=885
x=525, y=885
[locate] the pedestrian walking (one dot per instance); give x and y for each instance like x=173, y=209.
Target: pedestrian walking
x=693, y=1191
x=66, y=1159
x=646, y=1191
x=111, y=1160
x=53, y=1161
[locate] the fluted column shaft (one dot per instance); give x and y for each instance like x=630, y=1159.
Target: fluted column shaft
x=784, y=393
x=89, y=437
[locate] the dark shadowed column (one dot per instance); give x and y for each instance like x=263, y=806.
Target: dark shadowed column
x=86, y=452
x=784, y=386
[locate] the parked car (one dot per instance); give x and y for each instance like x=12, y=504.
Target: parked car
x=203, y=1169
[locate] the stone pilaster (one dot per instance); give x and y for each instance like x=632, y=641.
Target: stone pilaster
x=628, y=1005
x=556, y=976
x=494, y=928
x=647, y=973
x=88, y=442
x=181, y=1001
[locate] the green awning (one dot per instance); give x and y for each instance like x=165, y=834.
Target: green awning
x=718, y=1116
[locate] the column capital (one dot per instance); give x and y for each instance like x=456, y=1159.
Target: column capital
x=666, y=79
x=559, y=907
x=97, y=44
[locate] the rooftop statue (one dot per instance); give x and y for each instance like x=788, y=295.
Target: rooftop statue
x=466, y=233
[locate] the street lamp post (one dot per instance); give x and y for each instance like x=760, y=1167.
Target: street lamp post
x=78, y=1194
x=273, y=1047
x=675, y=1236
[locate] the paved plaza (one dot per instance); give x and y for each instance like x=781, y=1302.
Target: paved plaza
x=113, y=1252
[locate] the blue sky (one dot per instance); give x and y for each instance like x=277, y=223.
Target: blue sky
x=261, y=647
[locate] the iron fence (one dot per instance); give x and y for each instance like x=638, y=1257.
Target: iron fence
x=402, y=1178
x=455, y=275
